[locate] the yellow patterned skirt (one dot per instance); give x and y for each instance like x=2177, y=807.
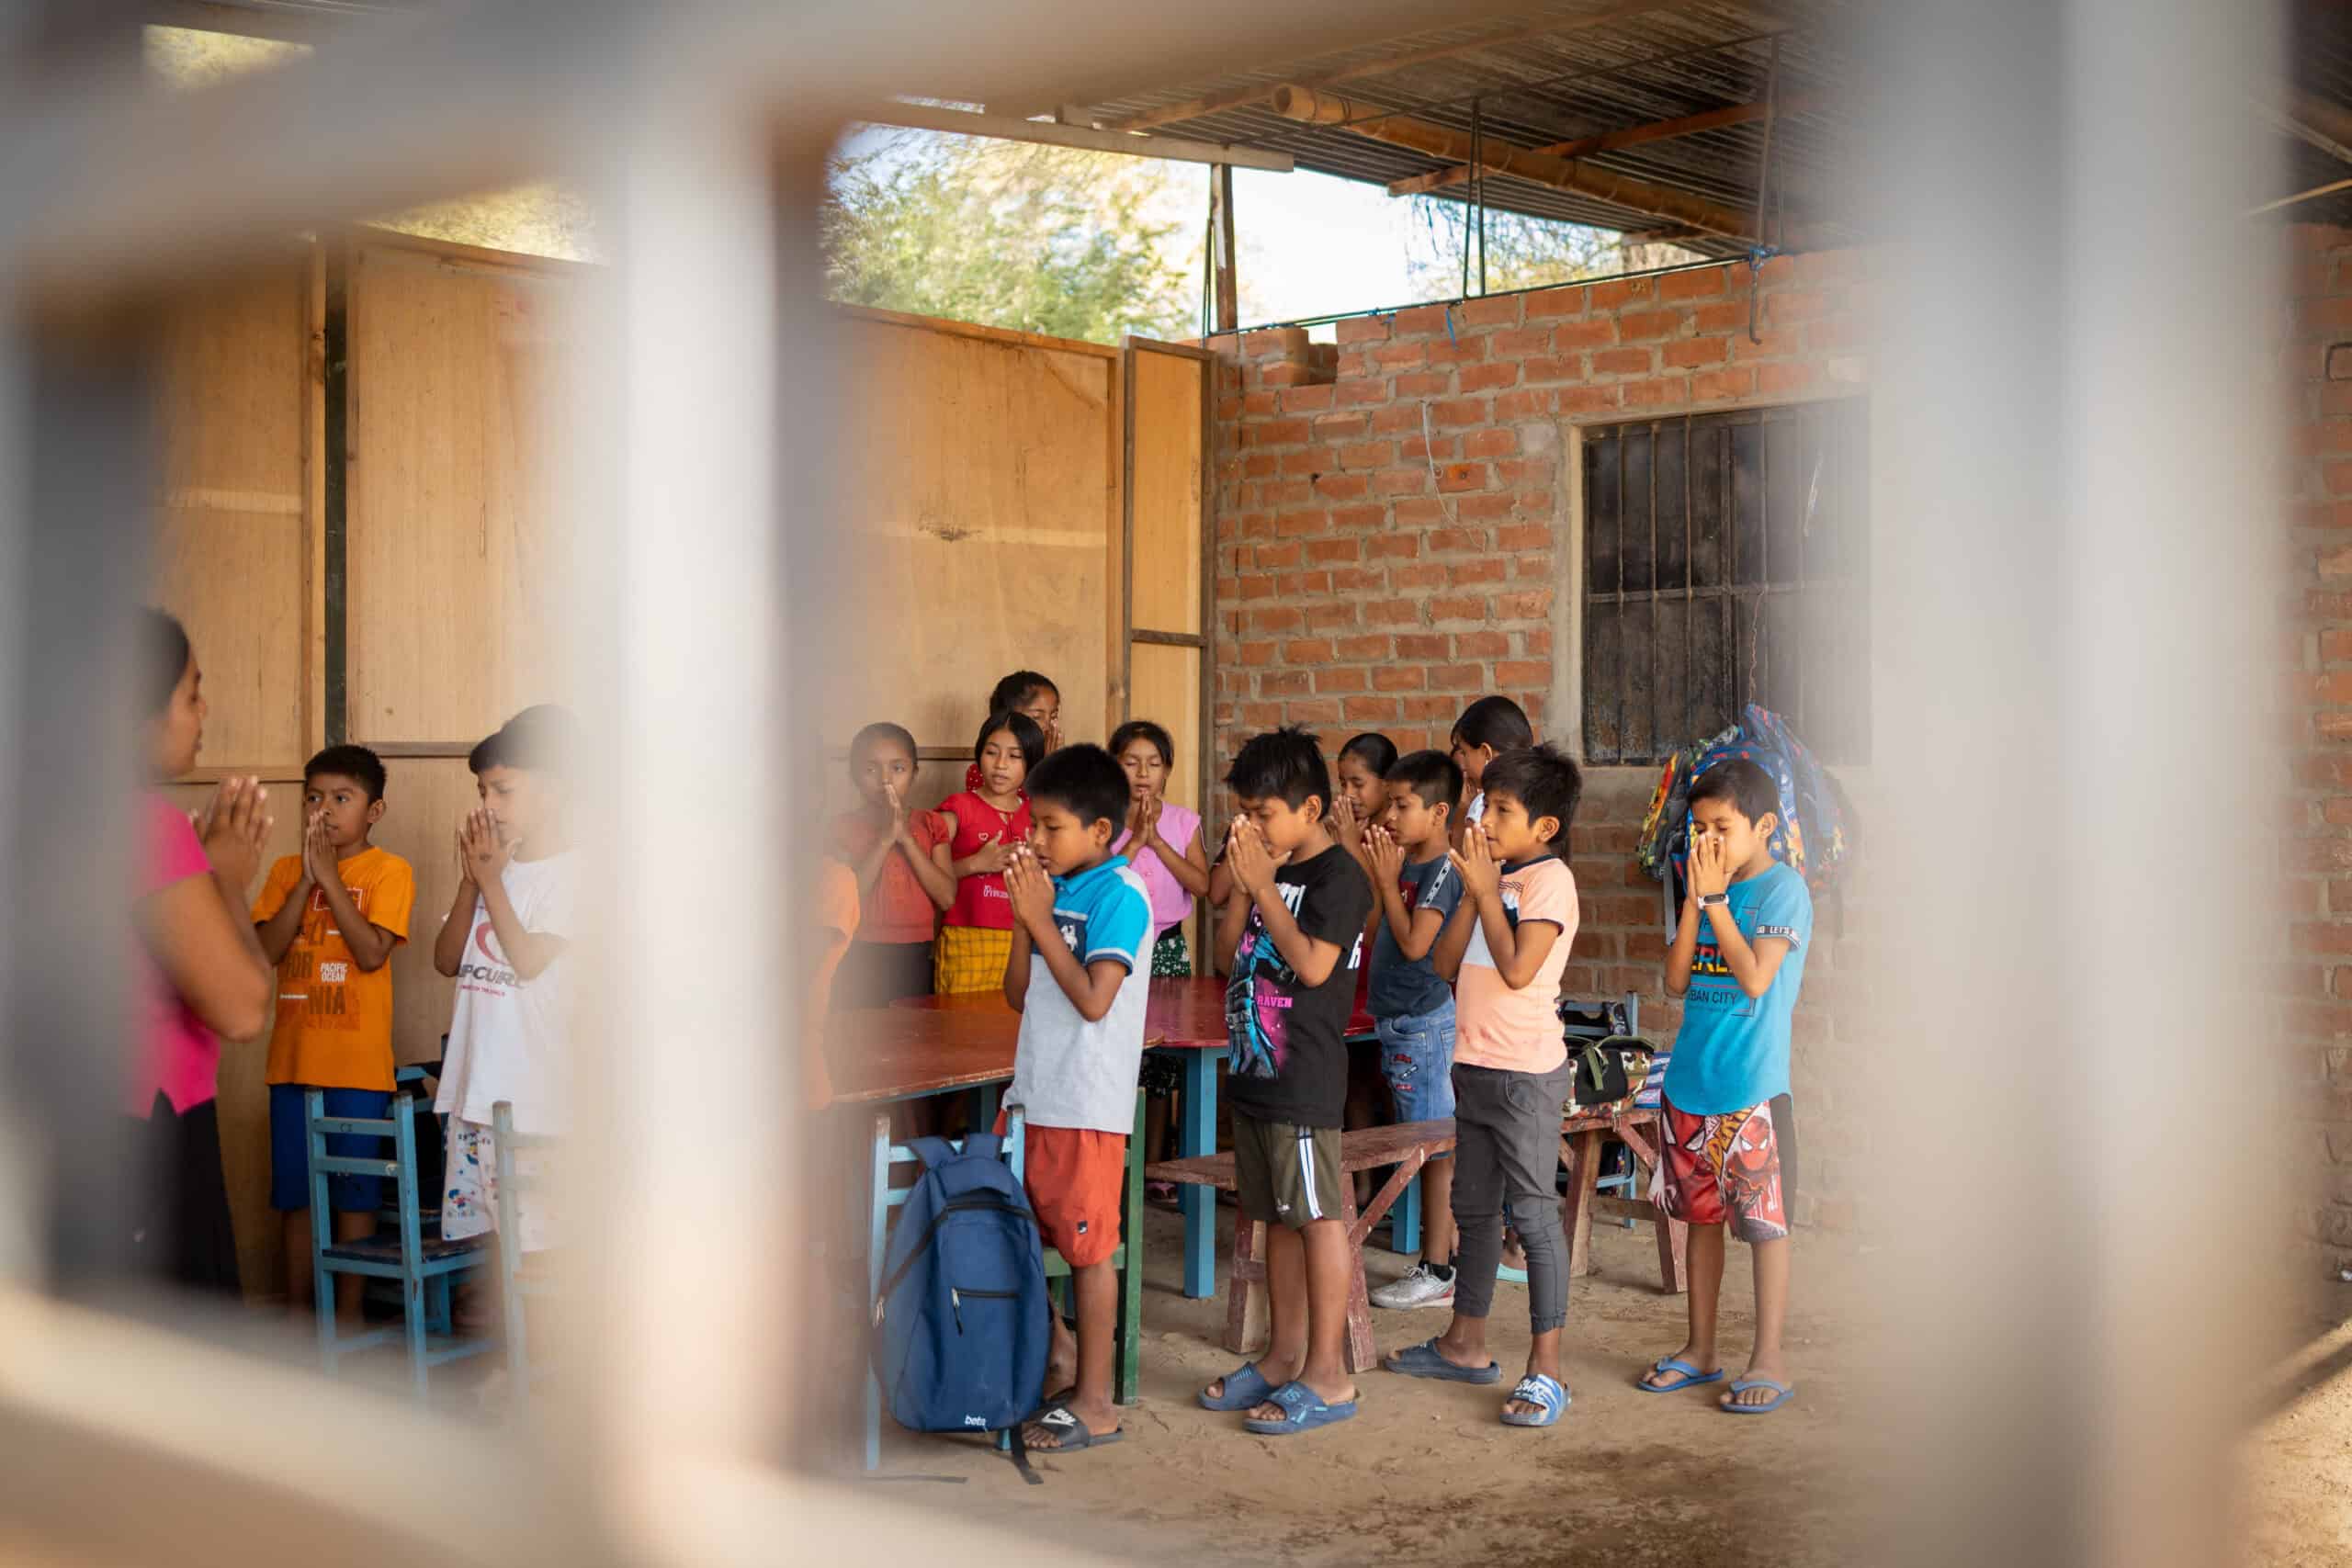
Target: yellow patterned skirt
x=969, y=958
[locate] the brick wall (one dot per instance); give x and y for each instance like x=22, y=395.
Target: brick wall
x=1394, y=535
x=2314, y=981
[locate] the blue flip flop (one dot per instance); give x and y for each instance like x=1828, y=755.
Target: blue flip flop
x=1692, y=1376
x=1246, y=1388
x=1537, y=1389
x=1782, y=1393
x=1422, y=1361
x=1513, y=1276
x=1302, y=1411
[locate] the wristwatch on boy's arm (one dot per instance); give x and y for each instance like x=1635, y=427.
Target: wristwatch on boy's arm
x=1709, y=900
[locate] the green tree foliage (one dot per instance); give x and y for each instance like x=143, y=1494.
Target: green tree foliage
x=1521, y=252
x=1049, y=240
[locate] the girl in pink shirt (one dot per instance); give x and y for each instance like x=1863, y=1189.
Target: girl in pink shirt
x=1162, y=841
x=200, y=977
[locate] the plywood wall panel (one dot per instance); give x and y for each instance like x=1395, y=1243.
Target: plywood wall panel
x=455, y=565
x=975, y=530
x=236, y=525
x=424, y=799
x=1167, y=692
x=1166, y=458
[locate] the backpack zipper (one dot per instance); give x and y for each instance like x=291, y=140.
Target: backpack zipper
x=996, y=1202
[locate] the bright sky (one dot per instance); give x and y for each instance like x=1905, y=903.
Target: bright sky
x=1310, y=245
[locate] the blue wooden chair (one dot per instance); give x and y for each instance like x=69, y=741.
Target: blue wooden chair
x=522, y=1278
x=1126, y=1365
x=420, y=1262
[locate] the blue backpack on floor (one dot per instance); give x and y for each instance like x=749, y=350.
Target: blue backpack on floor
x=961, y=1324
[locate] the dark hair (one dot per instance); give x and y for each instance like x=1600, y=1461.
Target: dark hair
x=543, y=739
x=1025, y=734
x=1373, y=749
x=1539, y=778
x=354, y=762
x=164, y=649
x=1136, y=729
x=1432, y=775
x=1285, y=764
x=1746, y=786
x=1494, y=721
x=1018, y=688
x=1084, y=779
x=874, y=734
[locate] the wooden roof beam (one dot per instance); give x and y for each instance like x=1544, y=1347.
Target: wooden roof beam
x=1524, y=162
x=963, y=122
x=1242, y=97
x=1631, y=136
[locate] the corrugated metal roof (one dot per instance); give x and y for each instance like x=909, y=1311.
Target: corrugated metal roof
x=1632, y=70
x=1656, y=64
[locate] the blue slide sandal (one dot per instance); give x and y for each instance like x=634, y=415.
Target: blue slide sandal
x=1692, y=1376
x=1302, y=1411
x=1781, y=1393
x=1537, y=1389
x=1246, y=1388
x=1422, y=1361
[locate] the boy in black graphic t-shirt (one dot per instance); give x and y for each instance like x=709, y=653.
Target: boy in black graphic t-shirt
x=1294, y=923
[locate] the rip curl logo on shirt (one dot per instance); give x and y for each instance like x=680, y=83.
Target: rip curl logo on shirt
x=498, y=972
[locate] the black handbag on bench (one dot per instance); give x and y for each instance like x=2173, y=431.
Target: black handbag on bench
x=1607, y=1074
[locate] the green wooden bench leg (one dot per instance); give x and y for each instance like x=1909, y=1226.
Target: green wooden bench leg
x=1128, y=1374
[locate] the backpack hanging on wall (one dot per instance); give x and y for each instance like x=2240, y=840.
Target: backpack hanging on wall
x=1814, y=833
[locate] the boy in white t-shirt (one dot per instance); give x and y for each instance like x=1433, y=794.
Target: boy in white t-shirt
x=503, y=941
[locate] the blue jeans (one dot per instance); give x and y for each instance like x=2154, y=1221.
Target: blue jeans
x=1416, y=1058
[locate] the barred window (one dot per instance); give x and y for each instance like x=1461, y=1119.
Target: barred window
x=1725, y=562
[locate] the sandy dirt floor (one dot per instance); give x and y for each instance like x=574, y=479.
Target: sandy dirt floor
x=1426, y=1474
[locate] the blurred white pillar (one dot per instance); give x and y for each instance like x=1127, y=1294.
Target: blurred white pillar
x=2070, y=437
x=684, y=634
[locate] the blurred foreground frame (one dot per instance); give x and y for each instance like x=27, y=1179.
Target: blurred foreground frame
x=699, y=127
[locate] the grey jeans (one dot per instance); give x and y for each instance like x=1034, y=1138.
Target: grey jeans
x=1507, y=1156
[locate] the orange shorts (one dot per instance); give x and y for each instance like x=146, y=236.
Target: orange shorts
x=1075, y=1177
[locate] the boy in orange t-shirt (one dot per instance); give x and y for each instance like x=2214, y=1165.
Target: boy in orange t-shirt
x=328, y=919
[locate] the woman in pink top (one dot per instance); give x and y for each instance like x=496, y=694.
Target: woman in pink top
x=1162, y=841
x=200, y=972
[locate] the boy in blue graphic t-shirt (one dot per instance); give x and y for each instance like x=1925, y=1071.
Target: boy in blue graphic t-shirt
x=1078, y=977
x=1728, y=1137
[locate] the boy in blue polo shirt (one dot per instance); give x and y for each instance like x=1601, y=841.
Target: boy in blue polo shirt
x=1078, y=975
x=1728, y=1143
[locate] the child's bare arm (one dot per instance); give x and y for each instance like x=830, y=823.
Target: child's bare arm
x=1221, y=884
x=1686, y=944
x=930, y=869
x=1016, y=969
x=371, y=945
x=1752, y=966
x=450, y=942
x=1310, y=958
x=1454, y=940
x=1190, y=869
x=1519, y=950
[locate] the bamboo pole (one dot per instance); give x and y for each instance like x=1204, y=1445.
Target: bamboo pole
x=1631, y=135
x=1309, y=106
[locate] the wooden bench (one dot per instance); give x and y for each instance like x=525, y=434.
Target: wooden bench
x=1407, y=1145
x=1580, y=1140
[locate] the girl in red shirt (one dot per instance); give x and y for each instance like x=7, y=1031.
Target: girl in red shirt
x=981, y=827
